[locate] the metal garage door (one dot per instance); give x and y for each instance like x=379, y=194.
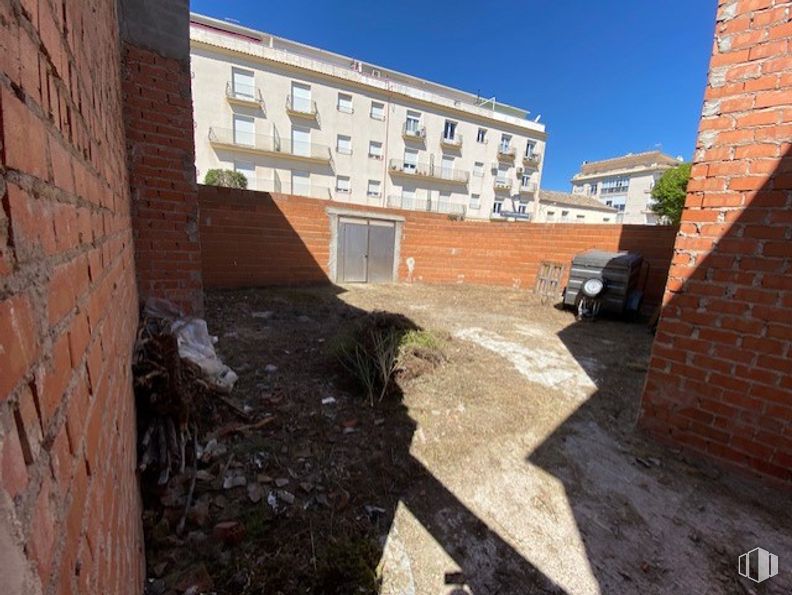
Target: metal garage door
x=365, y=251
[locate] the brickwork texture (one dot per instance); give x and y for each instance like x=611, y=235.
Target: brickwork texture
x=719, y=381
x=161, y=154
x=69, y=501
x=252, y=238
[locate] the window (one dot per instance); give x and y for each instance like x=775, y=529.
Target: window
x=616, y=185
x=373, y=188
x=606, y=219
x=375, y=150
x=503, y=175
x=580, y=217
x=345, y=103
x=377, y=110
x=475, y=202
x=407, y=198
x=449, y=130
x=618, y=203
x=248, y=170
x=444, y=199
x=564, y=215
x=412, y=125
x=301, y=183
x=343, y=184
x=505, y=144
x=530, y=149
x=525, y=181
x=244, y=131
x=478, y=169
x=481, y=136
x=497, y=206
x=551, y=215
x=447, y=167
x=242, y=83
x=522, y=208
x=344, y=144
x=410, y=160
x=593, y=189
x=301, y=98
x=301, y=141
x=608, y=203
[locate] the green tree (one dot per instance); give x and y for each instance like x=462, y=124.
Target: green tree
x=669, y=193
x=225, y=177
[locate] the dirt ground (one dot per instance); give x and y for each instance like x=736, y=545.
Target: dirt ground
x=512, y=467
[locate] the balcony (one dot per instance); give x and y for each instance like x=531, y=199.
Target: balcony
x=398, y=167
x=322, y=192
x=414, y=133
x=410, y=203
x=532, y=160
x=506, y=215
x=276, y=185
x=501, y=185
x=506, y=152
x=302, y=108
x=528, y=188
x=453, y=142
x=244, y=95
x=246, y=142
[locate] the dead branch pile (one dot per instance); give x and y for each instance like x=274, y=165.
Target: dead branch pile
x=168, y=389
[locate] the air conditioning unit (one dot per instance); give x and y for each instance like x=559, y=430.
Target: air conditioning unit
x=520, y=171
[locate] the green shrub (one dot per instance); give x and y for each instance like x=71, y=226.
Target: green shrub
x=375, y=347
x=419, y=339
x=225, y=177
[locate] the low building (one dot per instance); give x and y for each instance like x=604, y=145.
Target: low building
x=625, y=183
x=297, y=119
x=561, y=207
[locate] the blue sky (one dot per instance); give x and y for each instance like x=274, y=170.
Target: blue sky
x=607, y=76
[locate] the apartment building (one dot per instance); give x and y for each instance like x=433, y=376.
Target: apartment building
x=301, y=120
x=625, y=183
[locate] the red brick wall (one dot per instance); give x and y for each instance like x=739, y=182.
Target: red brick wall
x=251, y=239
x=69, y=502
x=720, y=381
x=159, y=131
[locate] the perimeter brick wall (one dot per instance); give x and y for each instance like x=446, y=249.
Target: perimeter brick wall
x=69, y=502
x=720, y=380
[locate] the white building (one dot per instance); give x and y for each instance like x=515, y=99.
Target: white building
x=560, y=207
x=625, y=183
x=301, y=120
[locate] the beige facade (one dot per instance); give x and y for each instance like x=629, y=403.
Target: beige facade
x=625, y=183
x=297, y=119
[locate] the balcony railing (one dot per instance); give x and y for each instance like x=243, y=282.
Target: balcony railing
x=502, y=185
x=412, y=132
x=410, y=203
x=428, y=170
x=528, y=188
x=273, y=145
x=360, y=199
x=244, y=94
x=532, y=160
x=504, y=213
x=302, y=108
x=505, y=152
x=312, y=191
x=276, y=185
x=451, y=142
